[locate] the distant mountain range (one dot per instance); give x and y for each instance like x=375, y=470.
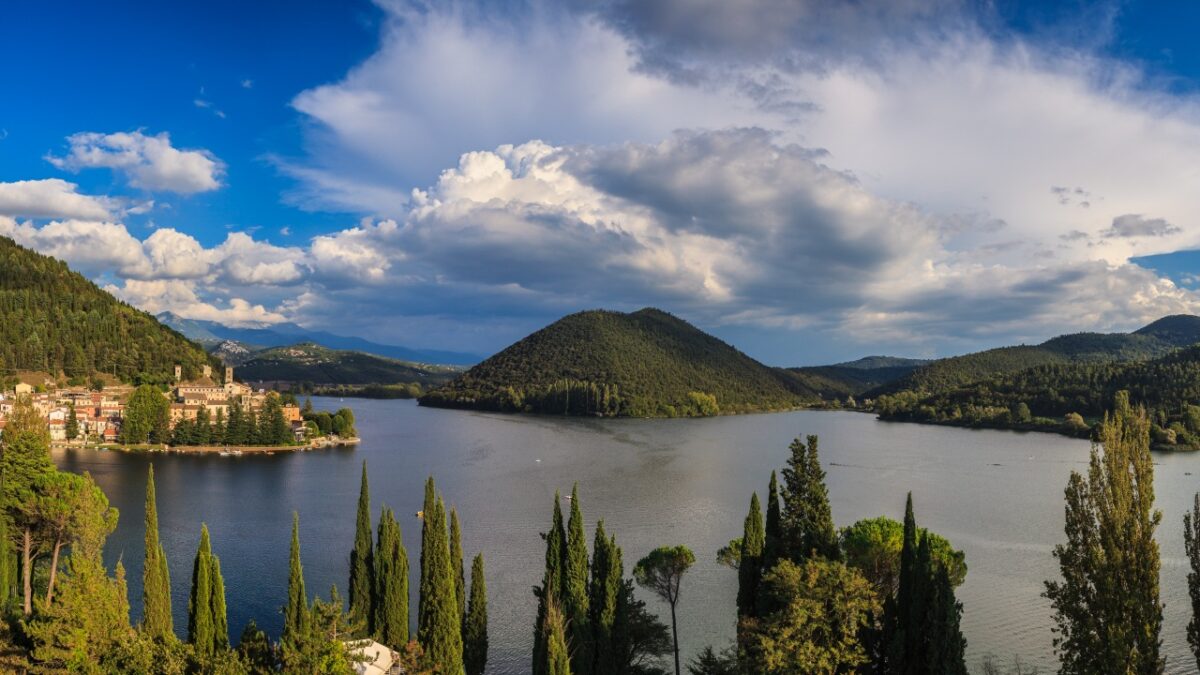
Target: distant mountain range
x=1151, y=341
x=311, y=363
x=645, y=364
x=211, y=334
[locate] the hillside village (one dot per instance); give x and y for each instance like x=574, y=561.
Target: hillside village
x=79, y=415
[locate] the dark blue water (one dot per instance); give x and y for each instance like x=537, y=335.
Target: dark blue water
x=996, y=495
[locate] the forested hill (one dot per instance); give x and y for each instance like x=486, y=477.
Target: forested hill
x=56, y=321
x=1067, y=397
x=1154, y=340
x=645, y=363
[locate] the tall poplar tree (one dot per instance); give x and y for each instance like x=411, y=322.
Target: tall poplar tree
x=774, y=525
x=295, y=612
x=1107, y=607
x=604, y=595
x=1191, y=544
x=200, y=619
x=575, y=590
x=475, y=629
x=439, y=625
x=552, y=582
x=391, y=583
x=456, y=562
x=361, y=558
x=156, y=579
x=807, y=522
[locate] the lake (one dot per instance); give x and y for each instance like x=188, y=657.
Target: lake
x=996, y=495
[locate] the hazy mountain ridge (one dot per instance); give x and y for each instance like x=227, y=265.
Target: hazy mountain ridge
x=309, y=362
x=284, y=334
x=1154, y=340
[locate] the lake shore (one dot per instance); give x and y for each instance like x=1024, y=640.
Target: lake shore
x=224, y=450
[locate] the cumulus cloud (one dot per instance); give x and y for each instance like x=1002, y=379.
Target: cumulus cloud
x=177, y=296
x=54, y=198
x=1136, y=225
x=149, y=162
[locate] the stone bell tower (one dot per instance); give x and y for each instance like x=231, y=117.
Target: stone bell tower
x=178, y=373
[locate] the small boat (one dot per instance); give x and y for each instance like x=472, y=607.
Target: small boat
x=420, y=514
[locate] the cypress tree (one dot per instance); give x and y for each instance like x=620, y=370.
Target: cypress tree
x=475, y=630
x=456, y=561
x=200, y=619
x=361, y=560
x=557, y=660
x=156, y=580
x=604, y=595
x=1107, y=607
x=904, y=614
x=7, y=559
x=943, y=638
x=439, y=627
x=219, y=615
x=774, y=525
x=575, y=590
x=1191, y=544
x=391, y=583
x=552, y=582
x=295, y=613
x=750, y=567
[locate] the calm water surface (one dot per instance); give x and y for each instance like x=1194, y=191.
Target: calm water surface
x=996, y=495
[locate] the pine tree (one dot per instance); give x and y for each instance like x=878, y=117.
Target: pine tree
x=200, y=619
x=391, y=583
x=156, y=580
x=295, y=613
x=456, y=562
x=552, y=583
x=774, y=525
x=361, y=558
x=557, y=660
x=807, y=523
x=475, y=629
x=604, y=596
x=1191, y=544
x=575, y=590
x=439, y=624
x=1107, y=607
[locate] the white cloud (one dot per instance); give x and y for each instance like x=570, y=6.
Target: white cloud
x=180, y=297
x=150, y=162
x=92, y=247
x=54, y=198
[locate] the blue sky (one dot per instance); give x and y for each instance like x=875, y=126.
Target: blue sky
x=811, y=181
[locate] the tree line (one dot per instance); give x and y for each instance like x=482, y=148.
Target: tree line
x=63, y=611
x=1065, y=396
x=147, y=419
